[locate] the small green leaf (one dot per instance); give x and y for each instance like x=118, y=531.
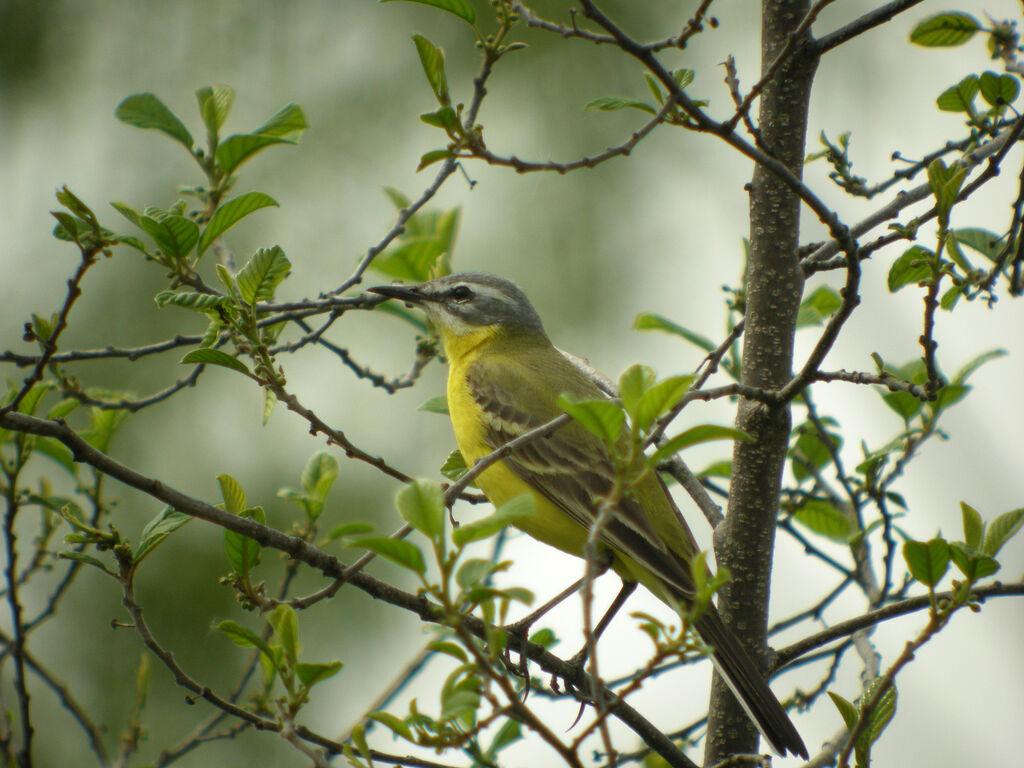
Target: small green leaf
x=200, y=302
x=474, y=571
x=927, y=561
x=158, y=529
x=945, y=30
x=215, y=106
x=144, y=110
x=311, y=674
x=286, y=121
x=454, y=466
x=286, y=630
x=660, y=399
x=397, y=551
x=261, y=275
x=633, y=383
x=421, y=504
x=998, y=90
x=242, y=636
x=987, y=243
x=238, y=149
x=914, y=266
x=206, y=356
x=449, y=649
x=653, y=322
x=1001, y=530
x=507, y=514
x=432, y=60
x=973, y=564
x=959, y=97
x=81, y=557
x=615, y=103
x=319, y=474
x=702, y=433
x=846, y=709
x=460, y=8
x=411, y=260
x=509, y=732
x=103, y=423
x=437, y=404
x=974, y=528
x=434, y=156
x=230, y=213
x=826, y=520
x=817, y=307
x=603, y=418
x=878, y=719
x=396, y=725
x=356, y=528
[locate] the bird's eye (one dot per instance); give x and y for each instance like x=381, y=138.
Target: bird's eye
x=461, y=293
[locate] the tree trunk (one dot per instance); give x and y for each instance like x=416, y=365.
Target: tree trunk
x=774, y=284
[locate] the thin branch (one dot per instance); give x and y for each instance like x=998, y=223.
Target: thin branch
x=862, y=24
x=480, y=152
x=785, y=656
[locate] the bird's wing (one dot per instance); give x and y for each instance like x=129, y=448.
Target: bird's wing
x=570, y=468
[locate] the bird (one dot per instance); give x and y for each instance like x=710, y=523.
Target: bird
x=504, y=379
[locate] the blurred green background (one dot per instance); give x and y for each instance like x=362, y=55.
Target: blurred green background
x=661, y=232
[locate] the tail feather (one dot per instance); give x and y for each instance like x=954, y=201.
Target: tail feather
x=748, y=686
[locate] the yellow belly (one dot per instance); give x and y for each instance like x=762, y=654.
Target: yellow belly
x=499, y=483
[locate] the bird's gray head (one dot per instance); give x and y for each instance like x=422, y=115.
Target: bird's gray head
x=466, y=302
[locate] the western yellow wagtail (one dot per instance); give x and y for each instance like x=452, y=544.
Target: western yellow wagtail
x=504, y=379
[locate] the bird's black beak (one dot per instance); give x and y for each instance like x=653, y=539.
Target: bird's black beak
x=407, y=293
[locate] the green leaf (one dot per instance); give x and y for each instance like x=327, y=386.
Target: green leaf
x=397, y=551
x=421, y=504
x=350, y=529
x=286, y=121
x=878, y=719
x=286, y=630
x=449, y=649
x=175, y=235
x=311, y=674
x=319, y=474
x=432, y=60
x=945, y=185
x=660, y=399
x=914, y=266
x=601, y=417
x=206, y=356
x=460, y=8
x=846, y=709
x=826, y=520
x=411, y=260
x=974, y=528
x=973, y=564
x=653, y=322
x=454, y=466
x=927, y=561
x=615, y=103
x=81, y=557
x=1001, y=530
x=242, y=636
x=230, y=213
x=987, y=243
x=998, y=90
x=434, y=156
x=261, y=275
x=810, y=451
x=238, y=149
x=215, y=106
x=103, y=423
x=702, y=433
x=507, y=514
x=633, y=383
x=959, y=97
x=242, y=552
x=233, y=494
x=980, y=360
x=437, y=404
x=717, y=469
x=190, y=300
x=817, y=307
x=144, y=110
x=158, y=529
x=945, y=30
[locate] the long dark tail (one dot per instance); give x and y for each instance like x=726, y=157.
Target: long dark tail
x=748, y=686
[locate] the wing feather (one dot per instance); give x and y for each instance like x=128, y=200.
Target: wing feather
x=571, y=469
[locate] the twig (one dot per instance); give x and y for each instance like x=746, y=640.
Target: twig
x=862, y=24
